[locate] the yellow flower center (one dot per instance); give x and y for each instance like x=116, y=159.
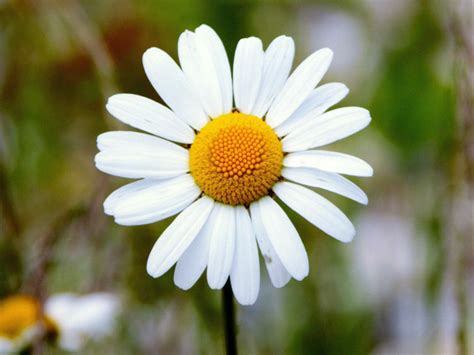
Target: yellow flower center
x=17, y=313
x=236, y=158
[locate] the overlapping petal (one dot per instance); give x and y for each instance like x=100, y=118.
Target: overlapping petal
x=279, y=276
x=316, y=209
x=126, y=191
x=194, y=260
x=298, y=86
x=329, y=181
x=283, y=237
x=173, y=87
x=277, y=63
x=156, y=202
x=221, y=63
x=248, y=71
x=320, y=99
x=140, y=155
x=328, y=161
x=327, y=128
x=205, y=64
x=149, y=116
x=221, y=248
x=178, y=236
x=245, y=273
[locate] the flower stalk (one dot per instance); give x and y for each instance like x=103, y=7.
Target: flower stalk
x=228, y=312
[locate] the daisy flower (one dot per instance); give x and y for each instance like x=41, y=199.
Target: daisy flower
x=21, y=322
x=71, y=320
x=221, y=151
x=77, y=319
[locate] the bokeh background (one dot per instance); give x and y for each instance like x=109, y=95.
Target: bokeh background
x=405, y=285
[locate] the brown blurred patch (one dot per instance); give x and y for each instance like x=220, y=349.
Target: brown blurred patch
x=122, y=39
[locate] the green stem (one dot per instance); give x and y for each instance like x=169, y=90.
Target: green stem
x=228, y=311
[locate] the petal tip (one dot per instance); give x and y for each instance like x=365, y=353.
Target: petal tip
x=151, y=55
x=111, y=99
x=204, y=27
x=214, y=286
x=303, y=274
x=246, y=302
x=287, y=39
x=151, y=269
x=326, y=51
x=370, y=171
x=150, y=51
x=181, y=285
x=349, y=237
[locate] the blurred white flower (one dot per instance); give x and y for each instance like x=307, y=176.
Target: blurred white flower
x=346, y=36
x=21, y=322
x=72, y=319
x=388, y=17
x=406, y=325
x=80, y=318
x=390, y=262
x=388, y=255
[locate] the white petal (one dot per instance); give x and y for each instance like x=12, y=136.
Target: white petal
x=248, y=70
x=134, y=166
x=298, y=86
x=192, y=263
x=173, y=87
x=245, y=273
x=316, y=103
x=327, y=128
x=7, y=346
x=139, y=155
x=157, y=202
x=125, y=192
x=27, y=337
x=198, y=67
x=284, y=238
x=80, y=318
x=135, y=141
x=325, y=180
x=178, y=236
x=316, y=209
x=221, y=63
x=276, y=67
x=150, y=116
x=221, y=250
x=328, y=161
x=279, y=276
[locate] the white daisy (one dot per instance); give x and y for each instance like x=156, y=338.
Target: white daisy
x=237, y=143
x=21, y=322
x=80, y=318
x=69, y=319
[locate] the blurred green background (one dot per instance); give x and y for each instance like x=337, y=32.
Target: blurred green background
x=404, y=285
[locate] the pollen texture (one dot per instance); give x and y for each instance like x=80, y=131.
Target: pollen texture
x=236, y=158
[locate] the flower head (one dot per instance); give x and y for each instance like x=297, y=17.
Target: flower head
x=80, y=318
x=237, y=143
x=20, y=322
x=70, y=319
